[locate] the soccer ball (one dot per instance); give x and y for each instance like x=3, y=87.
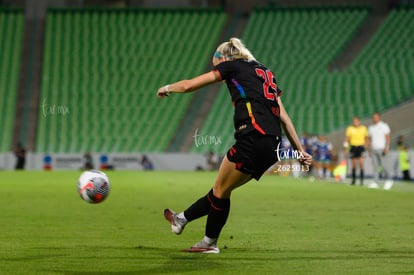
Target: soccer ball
x=93, y=186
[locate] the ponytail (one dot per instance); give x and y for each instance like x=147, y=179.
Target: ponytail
x=235, y=49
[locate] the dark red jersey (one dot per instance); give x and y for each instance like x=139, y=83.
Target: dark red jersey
x=254, y=93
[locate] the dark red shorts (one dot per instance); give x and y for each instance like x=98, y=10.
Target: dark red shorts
x=254, y=153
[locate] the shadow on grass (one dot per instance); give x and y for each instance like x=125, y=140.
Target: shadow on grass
x=112, y=260
x=156, y=260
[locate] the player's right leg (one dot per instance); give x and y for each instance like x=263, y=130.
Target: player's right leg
x=198, y=209
x=177, y=221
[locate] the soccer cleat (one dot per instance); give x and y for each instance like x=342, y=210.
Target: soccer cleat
x=203, y=247
x=373, y=185
x=177, y=224
x=388, y=184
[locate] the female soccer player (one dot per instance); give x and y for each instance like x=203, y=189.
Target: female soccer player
x=259, y=117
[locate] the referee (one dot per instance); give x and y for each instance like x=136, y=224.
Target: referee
x=356, y=137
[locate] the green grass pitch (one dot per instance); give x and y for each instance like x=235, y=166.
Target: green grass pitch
x=279, y=225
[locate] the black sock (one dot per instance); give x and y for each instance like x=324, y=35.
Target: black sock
x=198, y=209
x=353, y=175
x=361, y=176
x=217, y=217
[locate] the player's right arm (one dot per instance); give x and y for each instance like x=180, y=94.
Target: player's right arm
x=189, y=85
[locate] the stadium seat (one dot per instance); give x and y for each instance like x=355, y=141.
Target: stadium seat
x=11, y=34
x=106, y=66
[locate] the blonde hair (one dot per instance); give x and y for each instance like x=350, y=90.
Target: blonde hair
x=234, y=49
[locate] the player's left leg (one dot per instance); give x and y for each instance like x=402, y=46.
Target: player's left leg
x=228, y=179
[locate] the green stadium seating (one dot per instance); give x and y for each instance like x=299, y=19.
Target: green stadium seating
x=11, y=34
x=105, y=66
x=388, y=60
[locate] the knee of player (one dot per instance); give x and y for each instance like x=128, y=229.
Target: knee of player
x=220, y=192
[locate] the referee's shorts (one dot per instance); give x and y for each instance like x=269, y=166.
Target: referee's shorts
x=254, y=153
x=356, y=152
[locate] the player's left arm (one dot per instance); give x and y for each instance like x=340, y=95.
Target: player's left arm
x=292, y=135
x=189, y=85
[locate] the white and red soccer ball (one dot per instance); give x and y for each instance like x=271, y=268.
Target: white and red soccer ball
x=93, y=186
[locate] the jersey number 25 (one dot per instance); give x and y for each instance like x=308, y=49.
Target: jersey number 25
x=268, y=82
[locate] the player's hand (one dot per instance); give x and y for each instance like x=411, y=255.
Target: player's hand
x=305, y=158
x=162, y=92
